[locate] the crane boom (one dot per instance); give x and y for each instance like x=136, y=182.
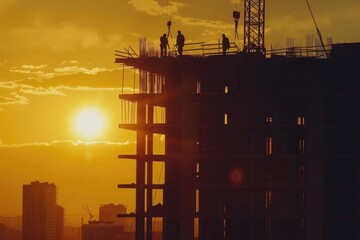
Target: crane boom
x=87, y=210
x=317, y=29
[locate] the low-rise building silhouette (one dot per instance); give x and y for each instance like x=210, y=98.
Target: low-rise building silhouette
x=97, y=230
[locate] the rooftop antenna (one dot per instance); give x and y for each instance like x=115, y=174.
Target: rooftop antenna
x=169, y=23
x=169, y=28
x=236, y=16
x=317, y=30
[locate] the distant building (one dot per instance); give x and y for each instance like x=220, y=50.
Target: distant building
x=7, y=233
x=72, y=233
x=109, y=212
x=12, y=222
x=60, y=212
x=318, y=47
x=151, y=50
x=290, y=42
x=142, y=47
x=97, y=230
x=310, y=40
x=310, y=43
x=39, y=211
x=290, y=47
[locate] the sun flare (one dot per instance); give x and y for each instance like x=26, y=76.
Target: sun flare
x=89, y=123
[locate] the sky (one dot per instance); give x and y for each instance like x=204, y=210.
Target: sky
x=57, y=59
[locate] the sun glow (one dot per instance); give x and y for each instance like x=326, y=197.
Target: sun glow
x=89, y=123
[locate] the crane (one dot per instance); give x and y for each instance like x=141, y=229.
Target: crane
x=317, y=30
x=236, y=16
x=87, y=210
x=254, y=26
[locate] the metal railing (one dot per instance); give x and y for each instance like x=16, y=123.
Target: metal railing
x=203, y=49
x=128, y=53
x=298, y=52
x=199, y=49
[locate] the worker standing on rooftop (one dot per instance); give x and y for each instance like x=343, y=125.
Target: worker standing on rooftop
x=225, y=43
x=180, y=41
x=163, y=45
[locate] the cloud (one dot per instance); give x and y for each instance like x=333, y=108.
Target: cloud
x=153, y=8
x=85, y=88
x=33, y=66
x=66, y=142
x=203, y=22
x=40, y=91
x=69, y=62
x=15, y=98
x=38, y=74
x=65, y=37
x=9, y=85
x=28, y=89
x=25, y=88
x=77, y=69
x=3, y=63
x=58, y=71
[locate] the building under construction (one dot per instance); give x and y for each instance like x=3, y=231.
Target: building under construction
x=255, y=147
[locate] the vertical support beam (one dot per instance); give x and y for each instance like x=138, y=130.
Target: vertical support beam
x=149, y=195
x=314, y=174
x=189, y=151
x=172, y=167
x=140, y=172
x=188, y=169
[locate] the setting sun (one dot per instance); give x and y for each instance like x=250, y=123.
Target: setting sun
x=89, y=123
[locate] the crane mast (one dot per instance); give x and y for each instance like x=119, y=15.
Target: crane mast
x=254, y=26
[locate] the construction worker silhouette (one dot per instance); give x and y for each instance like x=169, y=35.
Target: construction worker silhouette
x=180, y=41
x=225, y=43
x=163, y=45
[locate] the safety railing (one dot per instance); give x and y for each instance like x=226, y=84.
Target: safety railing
x=298, y=52
x=127, y=53
x=207, y=49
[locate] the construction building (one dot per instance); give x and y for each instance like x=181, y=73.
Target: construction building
x=258, y=146
x=255, y=147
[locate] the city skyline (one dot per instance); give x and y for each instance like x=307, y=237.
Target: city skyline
x=43, y=218
x=57, y=61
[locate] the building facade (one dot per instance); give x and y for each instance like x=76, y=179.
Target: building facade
x=12, y=222
x=97, y=230
x=39, y=211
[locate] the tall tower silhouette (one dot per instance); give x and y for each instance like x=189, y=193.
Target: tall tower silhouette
x=39, y=211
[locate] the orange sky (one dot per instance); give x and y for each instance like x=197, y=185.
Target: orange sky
x=57, y=58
